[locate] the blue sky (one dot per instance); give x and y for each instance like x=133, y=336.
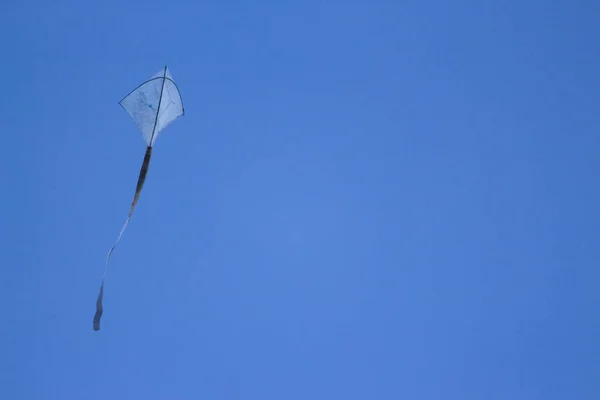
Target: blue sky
x=365, y=200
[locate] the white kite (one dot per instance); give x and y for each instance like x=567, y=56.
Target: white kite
x=153, y=105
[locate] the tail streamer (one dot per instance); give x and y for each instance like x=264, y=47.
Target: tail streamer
x=138, y=190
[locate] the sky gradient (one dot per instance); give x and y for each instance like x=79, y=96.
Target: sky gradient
x=365, y=200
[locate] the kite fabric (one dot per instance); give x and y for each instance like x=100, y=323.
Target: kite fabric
x=153, y=105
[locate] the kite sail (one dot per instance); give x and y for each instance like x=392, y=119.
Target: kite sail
x=153, y=105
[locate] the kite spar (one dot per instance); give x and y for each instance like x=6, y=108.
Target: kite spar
x=153, y=105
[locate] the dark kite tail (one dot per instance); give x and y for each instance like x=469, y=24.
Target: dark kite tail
x=99, y=310
x=138, y=190
x=141, y=178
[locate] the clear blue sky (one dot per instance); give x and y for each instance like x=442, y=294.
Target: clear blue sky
x=365, y=200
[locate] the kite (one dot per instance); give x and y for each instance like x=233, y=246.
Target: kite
x=153, y=105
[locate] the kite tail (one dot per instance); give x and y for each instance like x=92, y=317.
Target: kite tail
x=99, y=310
x=138, y=190
x=142, y=178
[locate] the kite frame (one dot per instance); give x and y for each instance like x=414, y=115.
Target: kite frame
x=164, y=78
